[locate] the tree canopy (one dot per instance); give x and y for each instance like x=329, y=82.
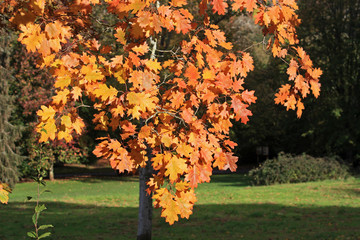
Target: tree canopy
x=169, y=105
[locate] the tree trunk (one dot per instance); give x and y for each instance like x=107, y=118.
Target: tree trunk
x=51, y=171
x=145, y=204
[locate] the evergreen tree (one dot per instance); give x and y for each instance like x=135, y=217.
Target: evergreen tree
x=9, y=133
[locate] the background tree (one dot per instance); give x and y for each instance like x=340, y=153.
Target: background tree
x=9, y=133
x=331, y=32
x=33, y=87
x=167, y=110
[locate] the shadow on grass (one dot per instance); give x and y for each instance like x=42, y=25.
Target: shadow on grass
x=233, y=179
x=100, y=179
x=245, y=221
x=352, y=192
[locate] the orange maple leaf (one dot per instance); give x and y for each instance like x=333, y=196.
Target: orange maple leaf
x=219, y=6
x=292, y=69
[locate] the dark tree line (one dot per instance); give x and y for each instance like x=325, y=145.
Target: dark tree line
x=330, y=33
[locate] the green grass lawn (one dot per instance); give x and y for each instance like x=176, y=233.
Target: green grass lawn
x=227, y=208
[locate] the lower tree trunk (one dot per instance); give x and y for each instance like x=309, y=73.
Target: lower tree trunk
x=145, y=204
x=51, y=171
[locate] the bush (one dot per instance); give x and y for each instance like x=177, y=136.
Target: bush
x=294, y=169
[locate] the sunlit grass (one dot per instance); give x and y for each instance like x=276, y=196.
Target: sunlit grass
x=227, y=208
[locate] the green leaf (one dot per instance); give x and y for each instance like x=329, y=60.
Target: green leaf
x=44, y=235
x=40, y=208
x=31, y=234
x=42, y=227
x=34, y=218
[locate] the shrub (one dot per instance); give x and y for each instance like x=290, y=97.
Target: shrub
x=301, y=168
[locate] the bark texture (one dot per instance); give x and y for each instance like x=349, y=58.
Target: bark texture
x=145, y=204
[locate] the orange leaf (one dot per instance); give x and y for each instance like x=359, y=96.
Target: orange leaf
x=78, y=125
x=219, y=6
x=197, y=174
x=292, y=69
x=240, y=110
x=141, y=49
x=300, y=107
x=178, y=3
x=120, y=36
x=187, y=115
x=315, y=88
x=76, y=93
x=192, y=74
x=231, y=162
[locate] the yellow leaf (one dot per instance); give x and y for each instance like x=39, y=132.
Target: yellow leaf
x=184, y=149
x=92, y=74
x=4, y=193
x=61, y=97
x=40, y=4
x=166, y=140
x=47, y=130
x=170, y=208
x=106, y=93
x=66, y=121
x=184, y=203
x=208, y=74
x=30, y=36
x=171, y=212
x=143, y=101
x=63, y=78
x=182, y=186
x=119, y=76
x=52, y=30
x=153, y=65
x=46, y=113
x=175, y=167
x=118, y=111
x=65, y=135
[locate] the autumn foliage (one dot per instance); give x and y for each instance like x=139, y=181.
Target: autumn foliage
x=177, y=102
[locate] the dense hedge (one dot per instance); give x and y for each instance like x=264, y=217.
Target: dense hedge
x=301, y=168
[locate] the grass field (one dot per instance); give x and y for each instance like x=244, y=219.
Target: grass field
x=227, y=208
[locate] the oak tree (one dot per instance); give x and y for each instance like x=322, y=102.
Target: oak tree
x=165, y=111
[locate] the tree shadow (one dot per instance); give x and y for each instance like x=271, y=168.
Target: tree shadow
x=350, y=191
x=242, y=221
